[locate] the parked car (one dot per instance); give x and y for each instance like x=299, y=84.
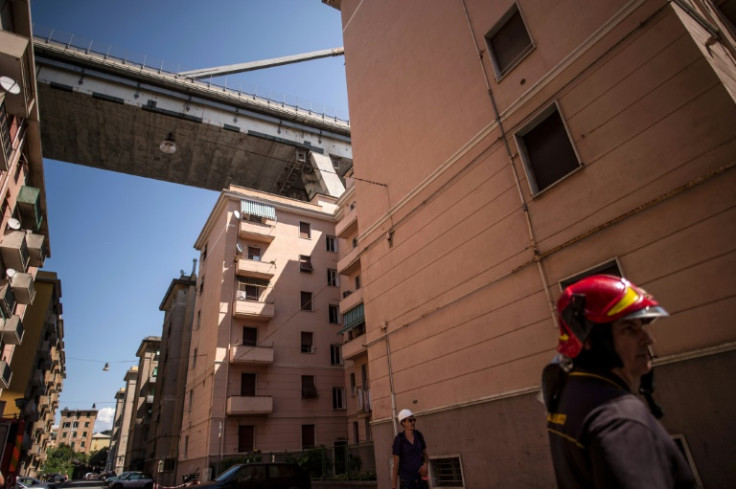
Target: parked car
x=267, y=475
x=56, y=478
x=131, y=480
x=23, y=482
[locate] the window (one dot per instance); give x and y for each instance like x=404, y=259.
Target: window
x=332, y=277
x=254, y=253
x=305, y=230
x=338, y=398
x=307, y=342
x=508, y=42
x=186, y=446
x=198, y=323
x=248, y=385
x=246, y=438
x=250, y=336
x=194, y=359
x=334, y=312
x=364, y=376
x=356, y=432
x=306, y=301
x=308, y=436
x=305, y=263
x=201, y=286
x=309, y=391
x=546, y=150
x=331, y=243
x=446, y=472
x=75, y=425
x=86, y=425
x=204, y=254
x=250, y=288
x=728, y=9
x=610, y=267
x=353, y=386
x=191, y=399
x=335, y=355
x=357, y=282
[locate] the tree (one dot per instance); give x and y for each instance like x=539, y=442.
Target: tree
x=98, y=459
x=62, y=460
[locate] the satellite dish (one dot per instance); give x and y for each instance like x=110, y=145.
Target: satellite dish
x=239, y=248
x=10, y=272
x=13, y=223
x=9, y=85
x=237, y=215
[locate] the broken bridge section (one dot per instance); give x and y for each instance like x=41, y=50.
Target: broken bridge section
x=112, y=114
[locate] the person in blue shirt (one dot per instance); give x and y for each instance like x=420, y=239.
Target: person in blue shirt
x=410, y=455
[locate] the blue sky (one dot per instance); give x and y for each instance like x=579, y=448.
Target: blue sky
x=117, y=240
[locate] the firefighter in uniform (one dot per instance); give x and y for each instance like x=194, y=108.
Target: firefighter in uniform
x=601, y=434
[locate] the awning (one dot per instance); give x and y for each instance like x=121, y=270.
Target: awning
x=352, y=318
x=257, y=209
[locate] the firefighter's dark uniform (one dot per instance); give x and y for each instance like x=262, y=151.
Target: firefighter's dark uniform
x=603, y=436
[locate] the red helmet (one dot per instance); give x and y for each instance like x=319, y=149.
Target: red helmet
x=599, y=299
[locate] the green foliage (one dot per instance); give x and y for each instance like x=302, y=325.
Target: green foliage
x=98, y=459
x=62, y=460
x=315, y=461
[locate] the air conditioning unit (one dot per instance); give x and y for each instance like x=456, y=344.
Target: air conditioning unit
x=14, y=250
x=5, y=373
x=15, y=63
x=12, y=330
x=23, y=288
x=36, y=249
x=7, y=300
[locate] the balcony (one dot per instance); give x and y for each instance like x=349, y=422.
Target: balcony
x=12, y=330
x=247, y=309
x=23, y=289
x=5, y=374
x=251, y=355
x=249, y=405
x=29, y=207
x=349, y=263
x=350, y=300
x=354, y=348
x=36, y=249
x=256, y=268
x=348, y=224
x=257, y=231
x=14, y=250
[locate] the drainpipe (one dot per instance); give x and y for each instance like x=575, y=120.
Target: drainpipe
x=532, y=238
x=390, y=380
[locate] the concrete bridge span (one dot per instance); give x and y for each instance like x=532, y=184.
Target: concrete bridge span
x=108, y=113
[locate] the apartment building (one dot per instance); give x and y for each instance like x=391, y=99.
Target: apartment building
x=140, y=425
x=23, y=239
x=76, y=429
x=265, y=371
x=505, y=148
x=169, y=396
x=39, y=370
x=125, y=404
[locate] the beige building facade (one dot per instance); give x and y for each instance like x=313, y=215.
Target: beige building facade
x=173, y=364
x=265, y=371
x=124, y=418
x=137, y=448
x=76, y=429
x=502, y=148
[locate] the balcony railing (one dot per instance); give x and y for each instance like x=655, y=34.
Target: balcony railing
x=257, y=231
x=248, y=309
x=256, y=268
x=251, y=355
x=238, y=405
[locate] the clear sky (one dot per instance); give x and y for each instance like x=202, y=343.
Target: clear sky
x=117, y=240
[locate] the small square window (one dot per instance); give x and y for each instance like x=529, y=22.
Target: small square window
x=508, y=42
x=305, y=230
x=546, y=150
x=309, y=390
x=305, y=263
x=331, y=243
x=307, y=342
x=306, y=301
x=334, y=312
x=254, y=253
x=332, y=277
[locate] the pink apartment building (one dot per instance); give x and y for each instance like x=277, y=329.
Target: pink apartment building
x=265, y=371
x=502, y=149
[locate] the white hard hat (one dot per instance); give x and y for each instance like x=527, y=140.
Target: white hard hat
x=403, y=414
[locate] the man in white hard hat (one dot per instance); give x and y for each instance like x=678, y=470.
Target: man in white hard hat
x=410, y=455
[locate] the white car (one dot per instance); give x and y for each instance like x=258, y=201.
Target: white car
x=131, y=480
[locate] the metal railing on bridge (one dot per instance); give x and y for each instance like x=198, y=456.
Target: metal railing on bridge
x=50, y=36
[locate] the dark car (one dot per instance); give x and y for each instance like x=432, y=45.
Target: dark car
x=267, y=475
